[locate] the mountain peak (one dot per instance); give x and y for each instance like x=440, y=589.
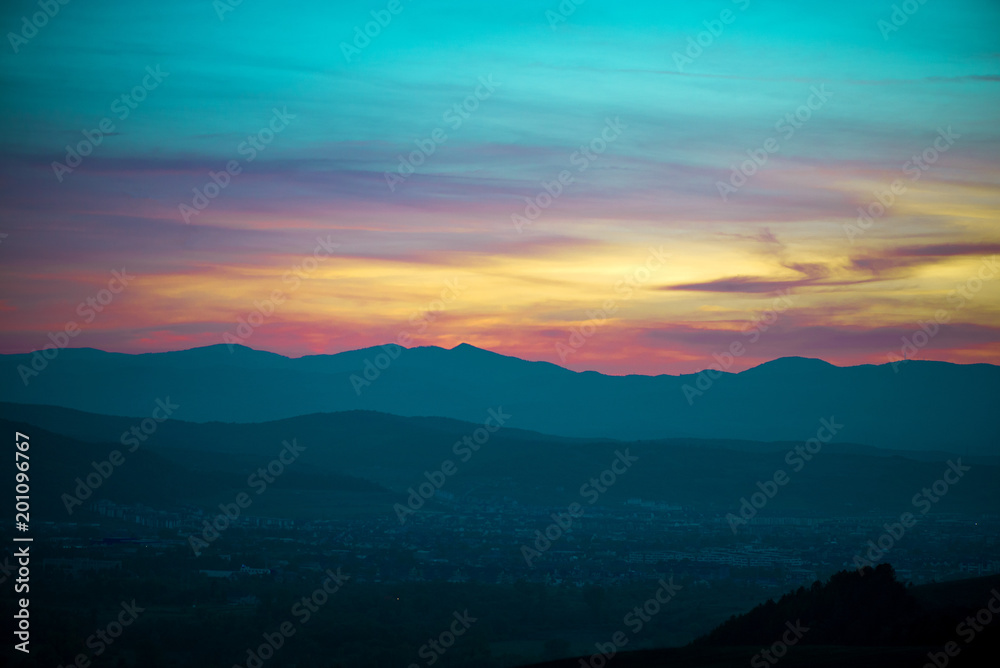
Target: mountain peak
x=468, y=347
x=794, y=363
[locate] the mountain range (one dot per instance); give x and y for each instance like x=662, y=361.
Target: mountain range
x=914, y=405
x=369, y=461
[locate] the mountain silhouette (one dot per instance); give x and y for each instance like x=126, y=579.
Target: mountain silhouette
x=853, y=619
x=393, y=453
x=916, y=405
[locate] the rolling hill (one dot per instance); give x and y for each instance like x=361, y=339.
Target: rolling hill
x=915, y=405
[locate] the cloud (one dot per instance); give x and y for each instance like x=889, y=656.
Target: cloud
x=946, y=250
x=891, y=261
x=745, y=284
x=813, y=274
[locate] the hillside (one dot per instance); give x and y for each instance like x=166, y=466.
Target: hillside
x=914, y=406
x=854, y=619
x=394, y=453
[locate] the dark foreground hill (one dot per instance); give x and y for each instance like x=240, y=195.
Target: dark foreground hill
x=856, y=619
x=914, y=405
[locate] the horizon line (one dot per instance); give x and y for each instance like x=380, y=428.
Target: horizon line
x=713, y=366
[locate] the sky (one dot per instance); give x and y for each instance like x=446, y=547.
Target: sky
x=643, y=187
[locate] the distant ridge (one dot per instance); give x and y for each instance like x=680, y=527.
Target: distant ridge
x=225, y=352
x=799, y=364
x=392, y=451
x=918, y=405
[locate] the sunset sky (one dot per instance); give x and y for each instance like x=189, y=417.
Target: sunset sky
x=664, y=124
